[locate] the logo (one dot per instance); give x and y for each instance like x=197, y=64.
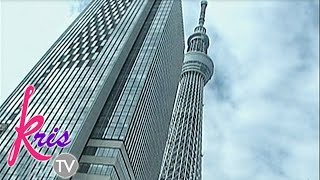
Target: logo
x=30, y=127
x=65, y=165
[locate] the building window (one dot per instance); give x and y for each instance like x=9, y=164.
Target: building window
x=3, y=127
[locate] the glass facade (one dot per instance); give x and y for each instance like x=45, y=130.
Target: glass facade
x=110, y=80
x=143, y=96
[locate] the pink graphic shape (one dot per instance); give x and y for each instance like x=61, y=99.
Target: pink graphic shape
x=26, y=129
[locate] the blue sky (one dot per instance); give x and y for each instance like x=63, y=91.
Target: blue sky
x=261, y=113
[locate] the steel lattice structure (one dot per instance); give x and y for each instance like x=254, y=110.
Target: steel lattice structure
x=182, y=159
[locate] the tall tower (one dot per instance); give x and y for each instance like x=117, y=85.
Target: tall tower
x=182, y=159
x=110, y=80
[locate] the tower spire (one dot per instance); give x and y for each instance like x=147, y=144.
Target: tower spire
x=199, y=40
x=204, y=4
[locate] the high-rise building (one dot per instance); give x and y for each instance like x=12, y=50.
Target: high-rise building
x=110, y=80
x=182, y=159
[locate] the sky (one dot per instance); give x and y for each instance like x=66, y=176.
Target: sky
x=261, y=113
